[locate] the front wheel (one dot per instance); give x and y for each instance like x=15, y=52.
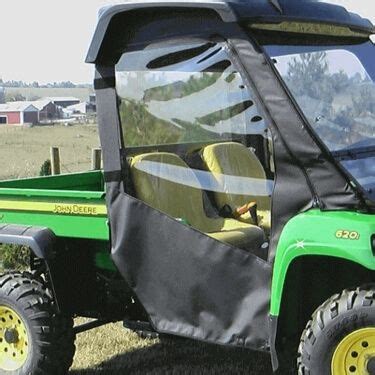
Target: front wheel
x=34, y=339
x=340, y=338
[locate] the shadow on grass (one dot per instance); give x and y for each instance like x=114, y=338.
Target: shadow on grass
x=180, y=356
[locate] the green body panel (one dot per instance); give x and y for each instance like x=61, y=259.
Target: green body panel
x=50, y=194
x=86, y=181
x=320, y=233
x=60, y=203
x=72, y=206
x=61, y=225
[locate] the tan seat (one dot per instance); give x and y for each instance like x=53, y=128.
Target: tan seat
x=165, y=182
x=228, y=160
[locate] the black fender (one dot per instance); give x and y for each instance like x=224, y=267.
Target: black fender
x=40, y=240
x=273, y=351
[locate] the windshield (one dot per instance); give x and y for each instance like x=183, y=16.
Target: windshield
x=334, y=87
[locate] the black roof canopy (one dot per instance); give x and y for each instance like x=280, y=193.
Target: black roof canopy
x=237, y=11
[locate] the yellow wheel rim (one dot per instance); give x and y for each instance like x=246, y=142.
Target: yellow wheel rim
x=355, y=354
x=13, y=340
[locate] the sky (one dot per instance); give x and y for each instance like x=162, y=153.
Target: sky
x=47, y=40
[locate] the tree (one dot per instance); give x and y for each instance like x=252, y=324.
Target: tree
x=309, y=76
x=364, y=102
x=340, y=81
x=2, y=95
x=17, y=97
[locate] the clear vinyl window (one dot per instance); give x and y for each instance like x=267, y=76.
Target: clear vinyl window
x=336, y=93
x=183, y=93
x=197, y=143
x=335, y=88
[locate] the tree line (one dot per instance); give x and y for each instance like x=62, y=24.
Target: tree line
x=36, y=84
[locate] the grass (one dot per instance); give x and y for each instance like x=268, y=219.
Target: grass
x=23, y=150
x=113, y=350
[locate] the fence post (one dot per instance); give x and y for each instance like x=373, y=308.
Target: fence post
x=96, y=159
x=55, y=161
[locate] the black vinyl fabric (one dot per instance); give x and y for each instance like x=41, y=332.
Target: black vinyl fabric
x=190, y=284
x=232, y=11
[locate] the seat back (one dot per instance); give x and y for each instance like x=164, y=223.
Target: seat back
x=231, y=159
x=165, y=182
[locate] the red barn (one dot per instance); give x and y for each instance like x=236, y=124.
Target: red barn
x=18, y=113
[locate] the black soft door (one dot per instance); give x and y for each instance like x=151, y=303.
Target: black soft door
x=191, y=285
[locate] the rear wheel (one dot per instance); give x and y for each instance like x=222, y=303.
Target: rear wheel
x=340, y=338
x=34, y=339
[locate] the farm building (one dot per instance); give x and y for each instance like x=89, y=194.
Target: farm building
x=63, y=101
x=91, y=108
x=18, y=113
x=83, y=108
x=78, y=108
x=47, y=110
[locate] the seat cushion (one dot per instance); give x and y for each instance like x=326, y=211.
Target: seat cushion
x=242, y=235
x=241, y=178
x=165, y=182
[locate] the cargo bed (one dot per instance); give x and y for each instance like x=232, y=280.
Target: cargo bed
x=73, y=205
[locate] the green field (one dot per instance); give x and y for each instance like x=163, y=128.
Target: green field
x=23, y=150
x=112, y=349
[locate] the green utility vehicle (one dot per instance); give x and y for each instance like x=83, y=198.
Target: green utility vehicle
x=236, y=205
